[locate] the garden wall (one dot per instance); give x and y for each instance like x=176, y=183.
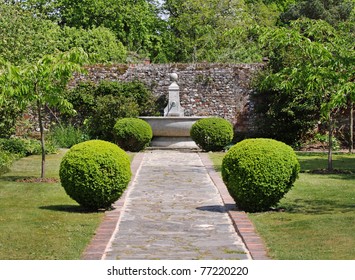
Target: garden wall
x=205, y=89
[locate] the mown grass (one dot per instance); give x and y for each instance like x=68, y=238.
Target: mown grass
x=38, y=220
x=316, y=219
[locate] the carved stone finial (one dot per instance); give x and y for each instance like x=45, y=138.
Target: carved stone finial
x=173, y=77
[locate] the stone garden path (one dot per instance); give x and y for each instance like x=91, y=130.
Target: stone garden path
x=176, y=207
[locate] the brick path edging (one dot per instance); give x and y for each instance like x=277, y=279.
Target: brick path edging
x=240, y=219
x=97, y=247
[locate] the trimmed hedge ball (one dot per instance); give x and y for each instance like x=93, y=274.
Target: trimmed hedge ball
x=95, y=173
x=259, y=172
x=132, y=134
x=212, y=134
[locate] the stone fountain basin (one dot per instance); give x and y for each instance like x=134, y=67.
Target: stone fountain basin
x=172, y=132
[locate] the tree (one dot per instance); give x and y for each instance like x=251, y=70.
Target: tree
x=135, y=23
x=99, y=43
x=267, y=12
x=332, y=11
x=311, y=59
x=201, y=30
x=42, y=84
x=25, y=38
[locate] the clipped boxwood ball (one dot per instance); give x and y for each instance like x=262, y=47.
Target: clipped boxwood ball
x=212, y=134
x=259, y=172
x=95, y=173
x=132, y=134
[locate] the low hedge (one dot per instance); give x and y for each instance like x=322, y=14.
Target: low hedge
x=259, y=172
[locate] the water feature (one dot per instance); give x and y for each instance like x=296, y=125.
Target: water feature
x=173, y=129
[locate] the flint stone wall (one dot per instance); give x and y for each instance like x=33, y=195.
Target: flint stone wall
x=205, y=89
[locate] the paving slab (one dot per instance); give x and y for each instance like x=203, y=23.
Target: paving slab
x=173, y=210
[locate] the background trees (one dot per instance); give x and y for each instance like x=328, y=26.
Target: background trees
x=136, y=24
x=332, y=11
x=310, y=62
x=25, y=38
x=163, y=31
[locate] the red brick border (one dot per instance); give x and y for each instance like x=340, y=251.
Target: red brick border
x=241, y=222
x=96, y=249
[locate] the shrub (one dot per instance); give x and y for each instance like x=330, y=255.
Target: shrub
x=9, y=113
x=132, y=134
x=21, y=146
x=108, y=109
x=67, y=136
x=259, y=172
x=6, y=160
x=212, y=134
x=95, y=173
x=99, y=106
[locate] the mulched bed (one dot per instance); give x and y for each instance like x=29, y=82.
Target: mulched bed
x=334, y=171
x=38, y=180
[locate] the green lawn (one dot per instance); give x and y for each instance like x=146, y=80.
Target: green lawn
x=38, y=220
x=316, y=219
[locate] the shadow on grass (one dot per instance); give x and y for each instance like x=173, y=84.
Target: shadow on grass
x=342, y=175
x=68, y=208
x=344, y=162
x=317, y=206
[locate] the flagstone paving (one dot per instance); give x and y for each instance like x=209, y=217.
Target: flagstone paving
x=174, y=210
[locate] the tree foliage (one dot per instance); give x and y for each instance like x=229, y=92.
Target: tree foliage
x=311, y=73
x=25, y=38
x=99, y=43
x=332, y=11
x=9, y=113
x=41, y=83
x=135, y=23
x=204, y=30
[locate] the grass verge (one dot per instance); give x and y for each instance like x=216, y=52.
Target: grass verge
x=38, y=220
x=316, y=218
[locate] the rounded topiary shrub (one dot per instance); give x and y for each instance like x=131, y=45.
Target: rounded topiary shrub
x=132, y=134
x=212, y=134
x=259, y=172
x=95, y=173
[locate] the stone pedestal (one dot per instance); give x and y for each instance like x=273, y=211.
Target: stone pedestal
x=174, y=109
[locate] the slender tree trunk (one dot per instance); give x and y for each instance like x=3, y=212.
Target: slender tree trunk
x=351, y=123
x=41, y=129
x=330, y=144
